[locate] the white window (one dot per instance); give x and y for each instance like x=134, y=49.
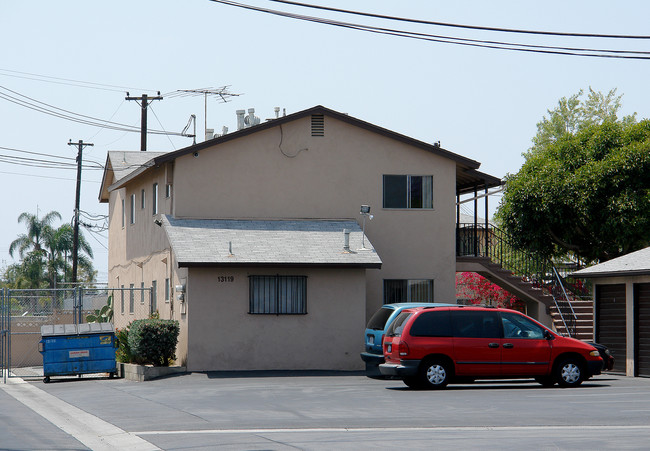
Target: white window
x=278, y=295
x=168, y=190
x=167, y=289
x=154, y=199
x=131, y=298
x=132, y=219
x=143, y=198
x=154, y=296
x=408, y=290
x=408, y=191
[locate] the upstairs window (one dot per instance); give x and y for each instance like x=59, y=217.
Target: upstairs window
x=278, y=295
x=154, y=199
x=408, y=290
x=132, y=218
x=408, y=191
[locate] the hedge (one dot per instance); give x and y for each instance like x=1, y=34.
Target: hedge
x=154, y=341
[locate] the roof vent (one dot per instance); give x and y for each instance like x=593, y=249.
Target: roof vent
x=317, y=125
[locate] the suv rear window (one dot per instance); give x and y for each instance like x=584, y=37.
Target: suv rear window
x=378, y=320
x=395, y=328
x=432, y=324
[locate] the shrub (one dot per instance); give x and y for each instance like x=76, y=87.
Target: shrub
x=123, y=353
x=154, y=340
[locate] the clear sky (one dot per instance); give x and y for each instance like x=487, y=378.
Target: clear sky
x=480, y=103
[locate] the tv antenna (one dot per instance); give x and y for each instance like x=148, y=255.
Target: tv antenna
x=222, y=95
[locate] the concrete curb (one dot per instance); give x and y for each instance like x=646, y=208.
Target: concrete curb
x=141, y=373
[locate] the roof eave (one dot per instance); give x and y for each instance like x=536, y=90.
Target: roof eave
x=603, y=274
x=275, y=265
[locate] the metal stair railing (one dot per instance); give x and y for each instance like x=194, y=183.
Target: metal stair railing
x=475, y=240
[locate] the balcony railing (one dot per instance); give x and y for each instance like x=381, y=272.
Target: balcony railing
x=475, y=240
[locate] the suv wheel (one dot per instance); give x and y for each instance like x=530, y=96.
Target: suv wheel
x=568, y=373
x=435, y=373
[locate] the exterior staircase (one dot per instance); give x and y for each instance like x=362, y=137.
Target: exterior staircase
x=584, y=312
x=532, y=279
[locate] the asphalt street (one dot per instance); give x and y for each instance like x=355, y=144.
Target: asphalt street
x=319, y=411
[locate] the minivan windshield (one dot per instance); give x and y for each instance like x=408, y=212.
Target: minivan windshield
x=378, y=320
x=395, y=328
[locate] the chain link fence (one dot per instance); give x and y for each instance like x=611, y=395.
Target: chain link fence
x=23, y=313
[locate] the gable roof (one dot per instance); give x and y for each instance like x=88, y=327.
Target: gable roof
x=121, y=164
x=467, y=175
x=632, y=264
x=209, y=242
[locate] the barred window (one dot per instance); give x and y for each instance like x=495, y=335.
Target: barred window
x=278, y=295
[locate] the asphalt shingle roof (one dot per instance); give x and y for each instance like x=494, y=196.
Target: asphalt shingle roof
x=207, y=242
x=123, y=163
x=634, y=263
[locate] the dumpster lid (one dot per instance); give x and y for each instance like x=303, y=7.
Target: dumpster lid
x=76, y=329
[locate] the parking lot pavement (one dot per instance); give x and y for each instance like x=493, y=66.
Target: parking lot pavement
x=325, y=410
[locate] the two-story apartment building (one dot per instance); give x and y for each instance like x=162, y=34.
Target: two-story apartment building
x=254, y=240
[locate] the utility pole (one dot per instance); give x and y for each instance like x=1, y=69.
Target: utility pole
x=145, y=102
x=75, y=237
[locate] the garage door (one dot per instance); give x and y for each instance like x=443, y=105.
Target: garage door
x=610, y=322
x=642, y=327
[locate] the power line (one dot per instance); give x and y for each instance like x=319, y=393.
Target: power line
x=45, y=177
x=498, y=45
x=468, y=27
x=78, y=83
x=61, y=113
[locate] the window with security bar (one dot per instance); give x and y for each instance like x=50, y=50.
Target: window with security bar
x=278, y=295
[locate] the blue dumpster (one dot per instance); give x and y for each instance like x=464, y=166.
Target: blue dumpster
x=76, y=349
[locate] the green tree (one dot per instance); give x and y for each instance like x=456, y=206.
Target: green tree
x=575, y=114
x=44, y=252
x=584, y=190
x=36, y=227
x=59, y=244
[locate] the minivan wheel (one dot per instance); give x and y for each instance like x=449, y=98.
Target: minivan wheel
x=546, y=381
x=435, y=373
x=412, y=382
x=568, y=373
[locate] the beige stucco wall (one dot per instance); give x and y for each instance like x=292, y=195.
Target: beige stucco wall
x=224, y=336
x=629, y=313
x=287, y=173
x=140, y=252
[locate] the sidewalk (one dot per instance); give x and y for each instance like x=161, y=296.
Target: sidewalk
x=31, y=419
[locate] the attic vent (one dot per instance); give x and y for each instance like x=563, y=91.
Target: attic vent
x=317, y=125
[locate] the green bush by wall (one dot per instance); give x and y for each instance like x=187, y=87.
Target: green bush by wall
x=153, y=341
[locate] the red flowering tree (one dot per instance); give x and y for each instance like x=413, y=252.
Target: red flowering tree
x=478, y=290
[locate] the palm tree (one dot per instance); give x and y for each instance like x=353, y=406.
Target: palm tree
x=59, y=243
x=32, y=240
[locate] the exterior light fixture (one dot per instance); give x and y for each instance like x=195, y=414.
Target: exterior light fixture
x=364, y=211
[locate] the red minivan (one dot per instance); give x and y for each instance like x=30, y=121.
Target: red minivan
x=431, y=347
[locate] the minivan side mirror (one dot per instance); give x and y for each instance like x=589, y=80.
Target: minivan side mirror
x=548, y=335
